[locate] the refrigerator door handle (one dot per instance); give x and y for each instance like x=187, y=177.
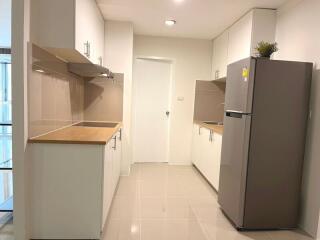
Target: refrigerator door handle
x=235, y=111
x=236, y=114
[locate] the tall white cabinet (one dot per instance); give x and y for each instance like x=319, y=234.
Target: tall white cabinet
x=239, y=41
x=71, y=25
x=257, y=25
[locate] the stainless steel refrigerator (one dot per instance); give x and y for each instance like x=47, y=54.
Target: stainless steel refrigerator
x=266, y=113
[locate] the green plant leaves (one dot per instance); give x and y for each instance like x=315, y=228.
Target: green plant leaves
x=265, y=49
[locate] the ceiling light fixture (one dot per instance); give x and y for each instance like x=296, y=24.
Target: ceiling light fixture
x=170, y=22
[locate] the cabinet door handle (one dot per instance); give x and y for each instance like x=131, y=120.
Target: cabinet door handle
x=199, y=130
x=100, y=61
x=211, y=136
x=87, y=49
x=120, y=134
x=115, y=143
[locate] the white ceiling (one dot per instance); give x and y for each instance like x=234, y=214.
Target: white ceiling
x=195, y=18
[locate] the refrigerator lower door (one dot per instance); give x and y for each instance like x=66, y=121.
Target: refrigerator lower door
x=233, y=168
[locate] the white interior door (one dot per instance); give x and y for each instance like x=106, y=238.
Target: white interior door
x=152, y=91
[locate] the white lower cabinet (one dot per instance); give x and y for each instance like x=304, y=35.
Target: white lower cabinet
x=206, y=153
x=112, y=163
x=72, y=187
x=196, y=145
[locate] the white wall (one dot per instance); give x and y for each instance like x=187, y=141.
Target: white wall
x=118, y=58
x=5, y=23
x=20, y=36
x=298, y=37
x=192, y=61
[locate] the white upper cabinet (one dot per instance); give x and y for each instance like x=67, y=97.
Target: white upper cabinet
x=263, y=27
x=258, y=25
x=220, y=56
x=89, y=30
x=72, y=25
x=239, y=41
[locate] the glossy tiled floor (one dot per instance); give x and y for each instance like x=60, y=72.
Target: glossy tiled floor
x=6, y=227
x=162, y=202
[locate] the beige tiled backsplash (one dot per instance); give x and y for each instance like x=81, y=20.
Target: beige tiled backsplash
x=209, y=101
x=54, y=102
x=103, y=100
x=58, y=98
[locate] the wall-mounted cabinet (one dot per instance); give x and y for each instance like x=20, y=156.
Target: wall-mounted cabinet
x=257, y=25
x=74, y=25
x=239, y=41
x=220, y=56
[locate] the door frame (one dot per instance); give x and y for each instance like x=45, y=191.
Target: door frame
x=171, y=88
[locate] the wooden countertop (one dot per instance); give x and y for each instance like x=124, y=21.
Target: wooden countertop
x=78, y=135
x=215, y=128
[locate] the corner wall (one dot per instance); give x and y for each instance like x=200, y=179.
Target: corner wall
x=298, y=37
x=20, y=36
x=192, y=61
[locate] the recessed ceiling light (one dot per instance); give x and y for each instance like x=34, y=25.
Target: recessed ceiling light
x=170, y=22
x=39, y=70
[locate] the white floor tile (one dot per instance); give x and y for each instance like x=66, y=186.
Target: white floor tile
x=163, y=202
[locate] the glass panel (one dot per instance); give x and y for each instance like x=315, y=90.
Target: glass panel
x=5, y=112
x=5, y=147
x=5, y=89
x=6, y=191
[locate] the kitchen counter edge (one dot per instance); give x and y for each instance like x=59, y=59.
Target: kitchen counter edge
x=62, y=136
x=215, y=128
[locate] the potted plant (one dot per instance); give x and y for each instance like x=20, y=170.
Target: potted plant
x=265, y=49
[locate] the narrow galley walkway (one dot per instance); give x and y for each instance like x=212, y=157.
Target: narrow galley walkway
x=164, y=202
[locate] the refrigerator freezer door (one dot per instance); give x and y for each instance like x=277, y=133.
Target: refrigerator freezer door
x=239, y=87
x=233, y=168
